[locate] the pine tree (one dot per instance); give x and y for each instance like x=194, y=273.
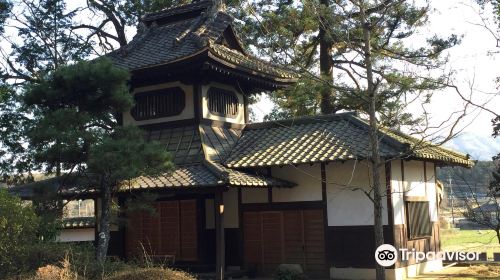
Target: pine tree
x=76, y=128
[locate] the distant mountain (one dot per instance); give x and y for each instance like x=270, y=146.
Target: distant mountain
x=479, y=147
x=467, y=180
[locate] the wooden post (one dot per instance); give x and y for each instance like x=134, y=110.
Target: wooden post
x=96, y=222
x=220, y=249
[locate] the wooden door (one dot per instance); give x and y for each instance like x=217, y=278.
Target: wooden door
x=171, y=230
x=291, y=236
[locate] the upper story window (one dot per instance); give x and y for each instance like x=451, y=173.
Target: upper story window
x=222, y=102
x=160, y=103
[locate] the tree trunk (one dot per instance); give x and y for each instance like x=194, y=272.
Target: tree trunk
x=104, y=222
x=325, y=64
x=374, y=143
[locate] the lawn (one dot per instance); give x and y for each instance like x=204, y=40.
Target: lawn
x=470, y=240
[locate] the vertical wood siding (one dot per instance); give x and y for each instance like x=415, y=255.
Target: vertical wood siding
x=292, y=236
x=172, y=230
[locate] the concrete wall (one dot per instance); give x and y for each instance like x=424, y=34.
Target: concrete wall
x=187, y=113
x=74, y=235
x=347, y=204
x=239, y=118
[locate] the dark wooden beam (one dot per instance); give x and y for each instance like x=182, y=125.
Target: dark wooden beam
x=324, y=200
x=390, y=210
x=240, y=225
x=219, y=237
x=198, y=104
x=96, y=230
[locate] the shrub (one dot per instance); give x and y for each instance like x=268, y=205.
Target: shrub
x=151, y=274
x=18, y=227
x=289, y=272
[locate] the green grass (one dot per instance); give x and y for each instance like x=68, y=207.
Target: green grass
x=470, y=241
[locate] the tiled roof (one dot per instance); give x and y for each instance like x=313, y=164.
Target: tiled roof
x=197, y=166
x=425, y=150
x=155, y=45
x=196, y=175
x=66, y=186
x=183, y=143
x=180, y=9
x=218, y=141
x=203, y=175
x=250, y=63
x=238, y=178
x=78, y=222
x=182, y=32
x=217, y=144
x=209, y=156
x=323, y=139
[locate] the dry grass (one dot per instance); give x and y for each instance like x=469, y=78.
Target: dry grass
x=492, y=271
x=53, y=272
x=473, y=272
x=151, y=274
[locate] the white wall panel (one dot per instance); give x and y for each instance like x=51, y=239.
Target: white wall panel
x=74, y=235
x=414, y=178
x=254, y=195
x=347, y=204
x=431, y=191
x=398, y=204
x=307, y=178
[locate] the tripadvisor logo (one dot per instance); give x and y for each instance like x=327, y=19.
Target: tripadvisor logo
x=387, y=255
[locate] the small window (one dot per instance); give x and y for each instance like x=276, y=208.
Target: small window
x=222, y=102
x=419, y=222
x=158, y=104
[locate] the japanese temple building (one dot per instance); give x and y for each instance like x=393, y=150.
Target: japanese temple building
x=252, y=196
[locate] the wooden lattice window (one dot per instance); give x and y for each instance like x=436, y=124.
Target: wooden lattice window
x=419, y=222
x=222, y=102
x=160, y=103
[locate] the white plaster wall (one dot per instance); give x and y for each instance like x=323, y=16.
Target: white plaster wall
x=347, y=204
x=414, y=178
x=414, y=185
x=398, y=203
x=307, y=178
x=230, y=199
x=254, y=195
x=240, y=118
x=431, y=191
x=187, y=113
x=73, y=235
